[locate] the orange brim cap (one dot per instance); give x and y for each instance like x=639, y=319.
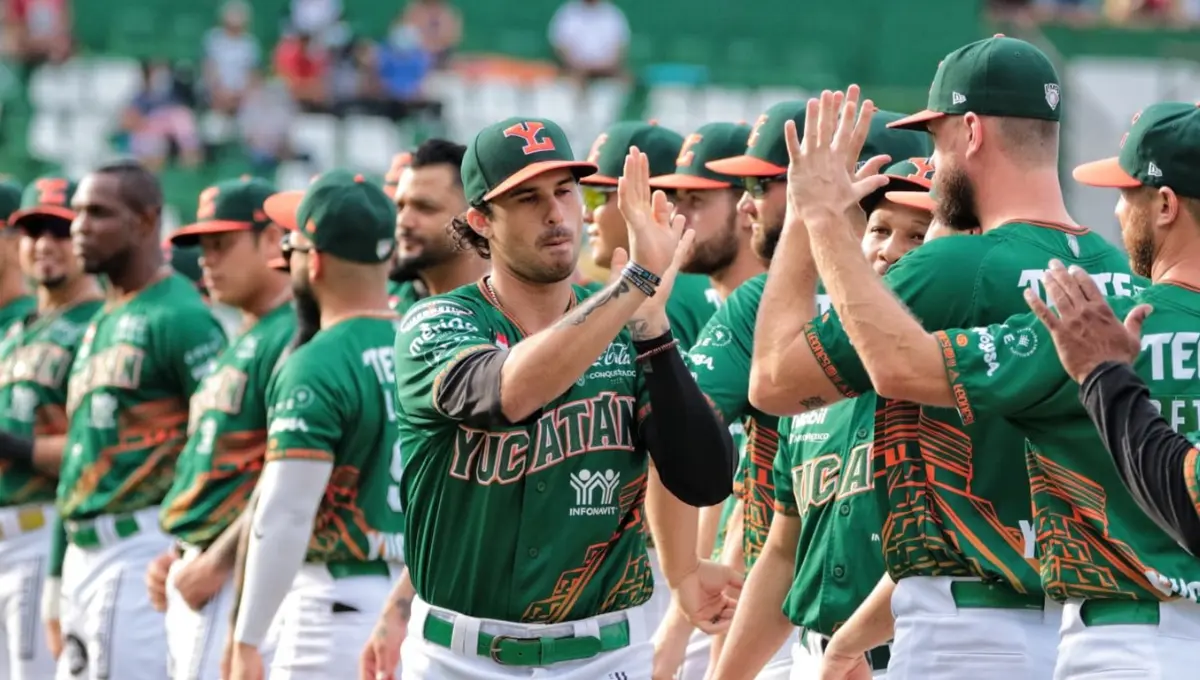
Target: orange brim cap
x=1105, y=173
x=921, y=200
x=281, y=208
x=51, y=210
x=745, y=166
x=916, y=121
x=600, y=180
x=279, y=263
x=580, y=168
x=191, y=232
x=678, y=181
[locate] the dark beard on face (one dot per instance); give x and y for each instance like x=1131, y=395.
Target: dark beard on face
x=956, y=201
x=1141, y=252
x=308, y=315
x=765, y=241
x=716, y=254
x=113, y=267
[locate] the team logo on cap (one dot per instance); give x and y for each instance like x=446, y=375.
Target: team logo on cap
x=530, y=131
x=1053, y=95
x=686, y=155
x=762, y=120
x=594, y=154
x=208, y=203
x=52, y=191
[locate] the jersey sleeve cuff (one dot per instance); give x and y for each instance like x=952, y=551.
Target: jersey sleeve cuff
x=786, y=508
x=812, y=335
x=962, y=400
x=299, y=454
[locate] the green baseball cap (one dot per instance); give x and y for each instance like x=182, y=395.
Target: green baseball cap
x=998, y=76
x=709, y=143
x=1160, y=150
x=912, y=175
x=10, y=200
x=232, y=205
x=515, y=150
x=46, y=196
x=342, y=213
x=766, y=153
x=894, y=142
x=661, y=146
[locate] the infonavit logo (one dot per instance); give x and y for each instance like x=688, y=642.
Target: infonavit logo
x=595, y=492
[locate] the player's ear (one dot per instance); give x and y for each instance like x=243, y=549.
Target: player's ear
x=315, y=265
x=973, y=131
x=1166, y=206
x=479, y=222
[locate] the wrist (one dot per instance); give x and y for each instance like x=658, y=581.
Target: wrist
x=676, y=577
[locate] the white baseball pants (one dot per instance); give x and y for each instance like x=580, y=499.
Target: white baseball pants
x=23, y=557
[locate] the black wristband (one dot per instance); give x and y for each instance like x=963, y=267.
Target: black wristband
x=643, y=346
x=15, y=448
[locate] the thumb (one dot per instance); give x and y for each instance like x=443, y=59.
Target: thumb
x=867, y=185
x=1135, y=318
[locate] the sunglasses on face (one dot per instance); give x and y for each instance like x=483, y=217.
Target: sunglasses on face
x=34, y=228
x=757, y=187
x=594, y=197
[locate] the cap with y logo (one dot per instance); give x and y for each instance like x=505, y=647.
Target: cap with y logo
x=766, y=153
x=1161, y=149
x=998, y=76
x=912, y=175
x=515, y=150
x=232, y=205
x=608, y=152
x=709, y=143
x=342, y=213
x=10, y=200
x=48, y=196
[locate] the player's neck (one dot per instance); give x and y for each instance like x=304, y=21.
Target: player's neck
x=12, y=286
x=141, y=270
x=460, y=270
x=1022, y=195
x=743, y=268
x=1178, y=263
x=534, y=306
x=357, y=301
x=276, y=290
x=68, y=294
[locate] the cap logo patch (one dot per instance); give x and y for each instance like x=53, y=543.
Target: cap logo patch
x=686, y=155
x=208, y=203
x=1153, y=171
x=1053, y=95
x=594, y=154
x=530, y=131
x=1124, y=138
x=753, y=140
x=922, y=168
x=383, y=248
x=52, y=191
x=957, y=98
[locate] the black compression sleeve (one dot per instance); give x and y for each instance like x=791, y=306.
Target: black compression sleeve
x=691, y=449
x=1148, y=453
x=15, y=448
x=470, y=391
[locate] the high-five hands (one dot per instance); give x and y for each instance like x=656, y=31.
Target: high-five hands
x=654, y=234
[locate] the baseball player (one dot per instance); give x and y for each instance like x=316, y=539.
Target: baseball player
x=527, y=412
x=15, y=301
x=821, y=558
x=227, y=423
x=428, y=195
x=721, y=251
x=959, y=537
x=139, y=361
x=720, y=358
x=34, y=357
x=325, y=534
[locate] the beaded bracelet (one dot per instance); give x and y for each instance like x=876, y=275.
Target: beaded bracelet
x=658, y=350
x=642, y=273
x=641, y=284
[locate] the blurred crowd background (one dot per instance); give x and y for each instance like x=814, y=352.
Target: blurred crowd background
x=209, y=89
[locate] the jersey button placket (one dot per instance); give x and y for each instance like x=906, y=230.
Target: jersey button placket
x=844, y=509
x=533, y=552
x=540, y=486
x=839, y=571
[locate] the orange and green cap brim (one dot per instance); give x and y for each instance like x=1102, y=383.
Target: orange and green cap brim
x=661, y=146
x=282, y=208
x=1105, y=173
x=581, y=169
x=746, y=166
x=921, y=200
x=677, y=180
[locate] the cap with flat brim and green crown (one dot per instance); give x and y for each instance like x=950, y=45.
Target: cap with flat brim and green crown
x=10, y=200
x=912, y=175
x=608, y=152
x=998, y=76
x=766, y=153
x=342, y=214
x=506, y=154
x=232, y=205
x=710, y=142
x=921, y=200
x=45, y=197
x=899, y=143
x=1161, y=149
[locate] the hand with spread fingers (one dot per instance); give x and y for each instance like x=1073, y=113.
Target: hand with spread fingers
x=822, y=180
x=1085, y=330
x=654, y=233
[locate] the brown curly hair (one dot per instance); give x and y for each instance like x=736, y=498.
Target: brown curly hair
x=467, y=238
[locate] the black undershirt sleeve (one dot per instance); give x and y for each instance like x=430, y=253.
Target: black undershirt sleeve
x=1149, y=455
x=691, y=449
x=470, y=391
x=16, y=448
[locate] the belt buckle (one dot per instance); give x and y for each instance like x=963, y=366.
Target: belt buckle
x=494, y=647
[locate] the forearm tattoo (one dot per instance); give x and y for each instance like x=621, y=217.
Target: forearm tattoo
x=644, y=330
x=581, y=313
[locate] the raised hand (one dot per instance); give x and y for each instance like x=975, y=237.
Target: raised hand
x=653, y=233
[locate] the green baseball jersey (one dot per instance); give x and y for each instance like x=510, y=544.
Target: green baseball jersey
x=957, y=504
x=35, y=358
x=540, y=521
x=15, y=311
x=692, y=303
x=720, y=363
x=227, y=433
x=824, y=476
x=334, y=400
x=738, y=434
x=405, y=294
x=127, y=398
x=1094, y=542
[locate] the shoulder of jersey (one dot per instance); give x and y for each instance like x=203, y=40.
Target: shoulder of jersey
x=460, y=302
x=750, y=292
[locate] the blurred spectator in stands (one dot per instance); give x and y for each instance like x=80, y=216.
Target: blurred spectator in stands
x=266, y=116
x=590, y=38
x=37, y=30
x=1142, y=11
x=231, y=54
x=438, y=26
x=351, y=82
x=403, y=63
x=157, y=121
x=321, y=19
x=303, y=64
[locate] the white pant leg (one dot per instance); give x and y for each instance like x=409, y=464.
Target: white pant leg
x=23, y=561
x=109, y=628
x=196, y=639
x=696, y=660
x=935, y=640
x=324, y=623
x=1131, y=652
